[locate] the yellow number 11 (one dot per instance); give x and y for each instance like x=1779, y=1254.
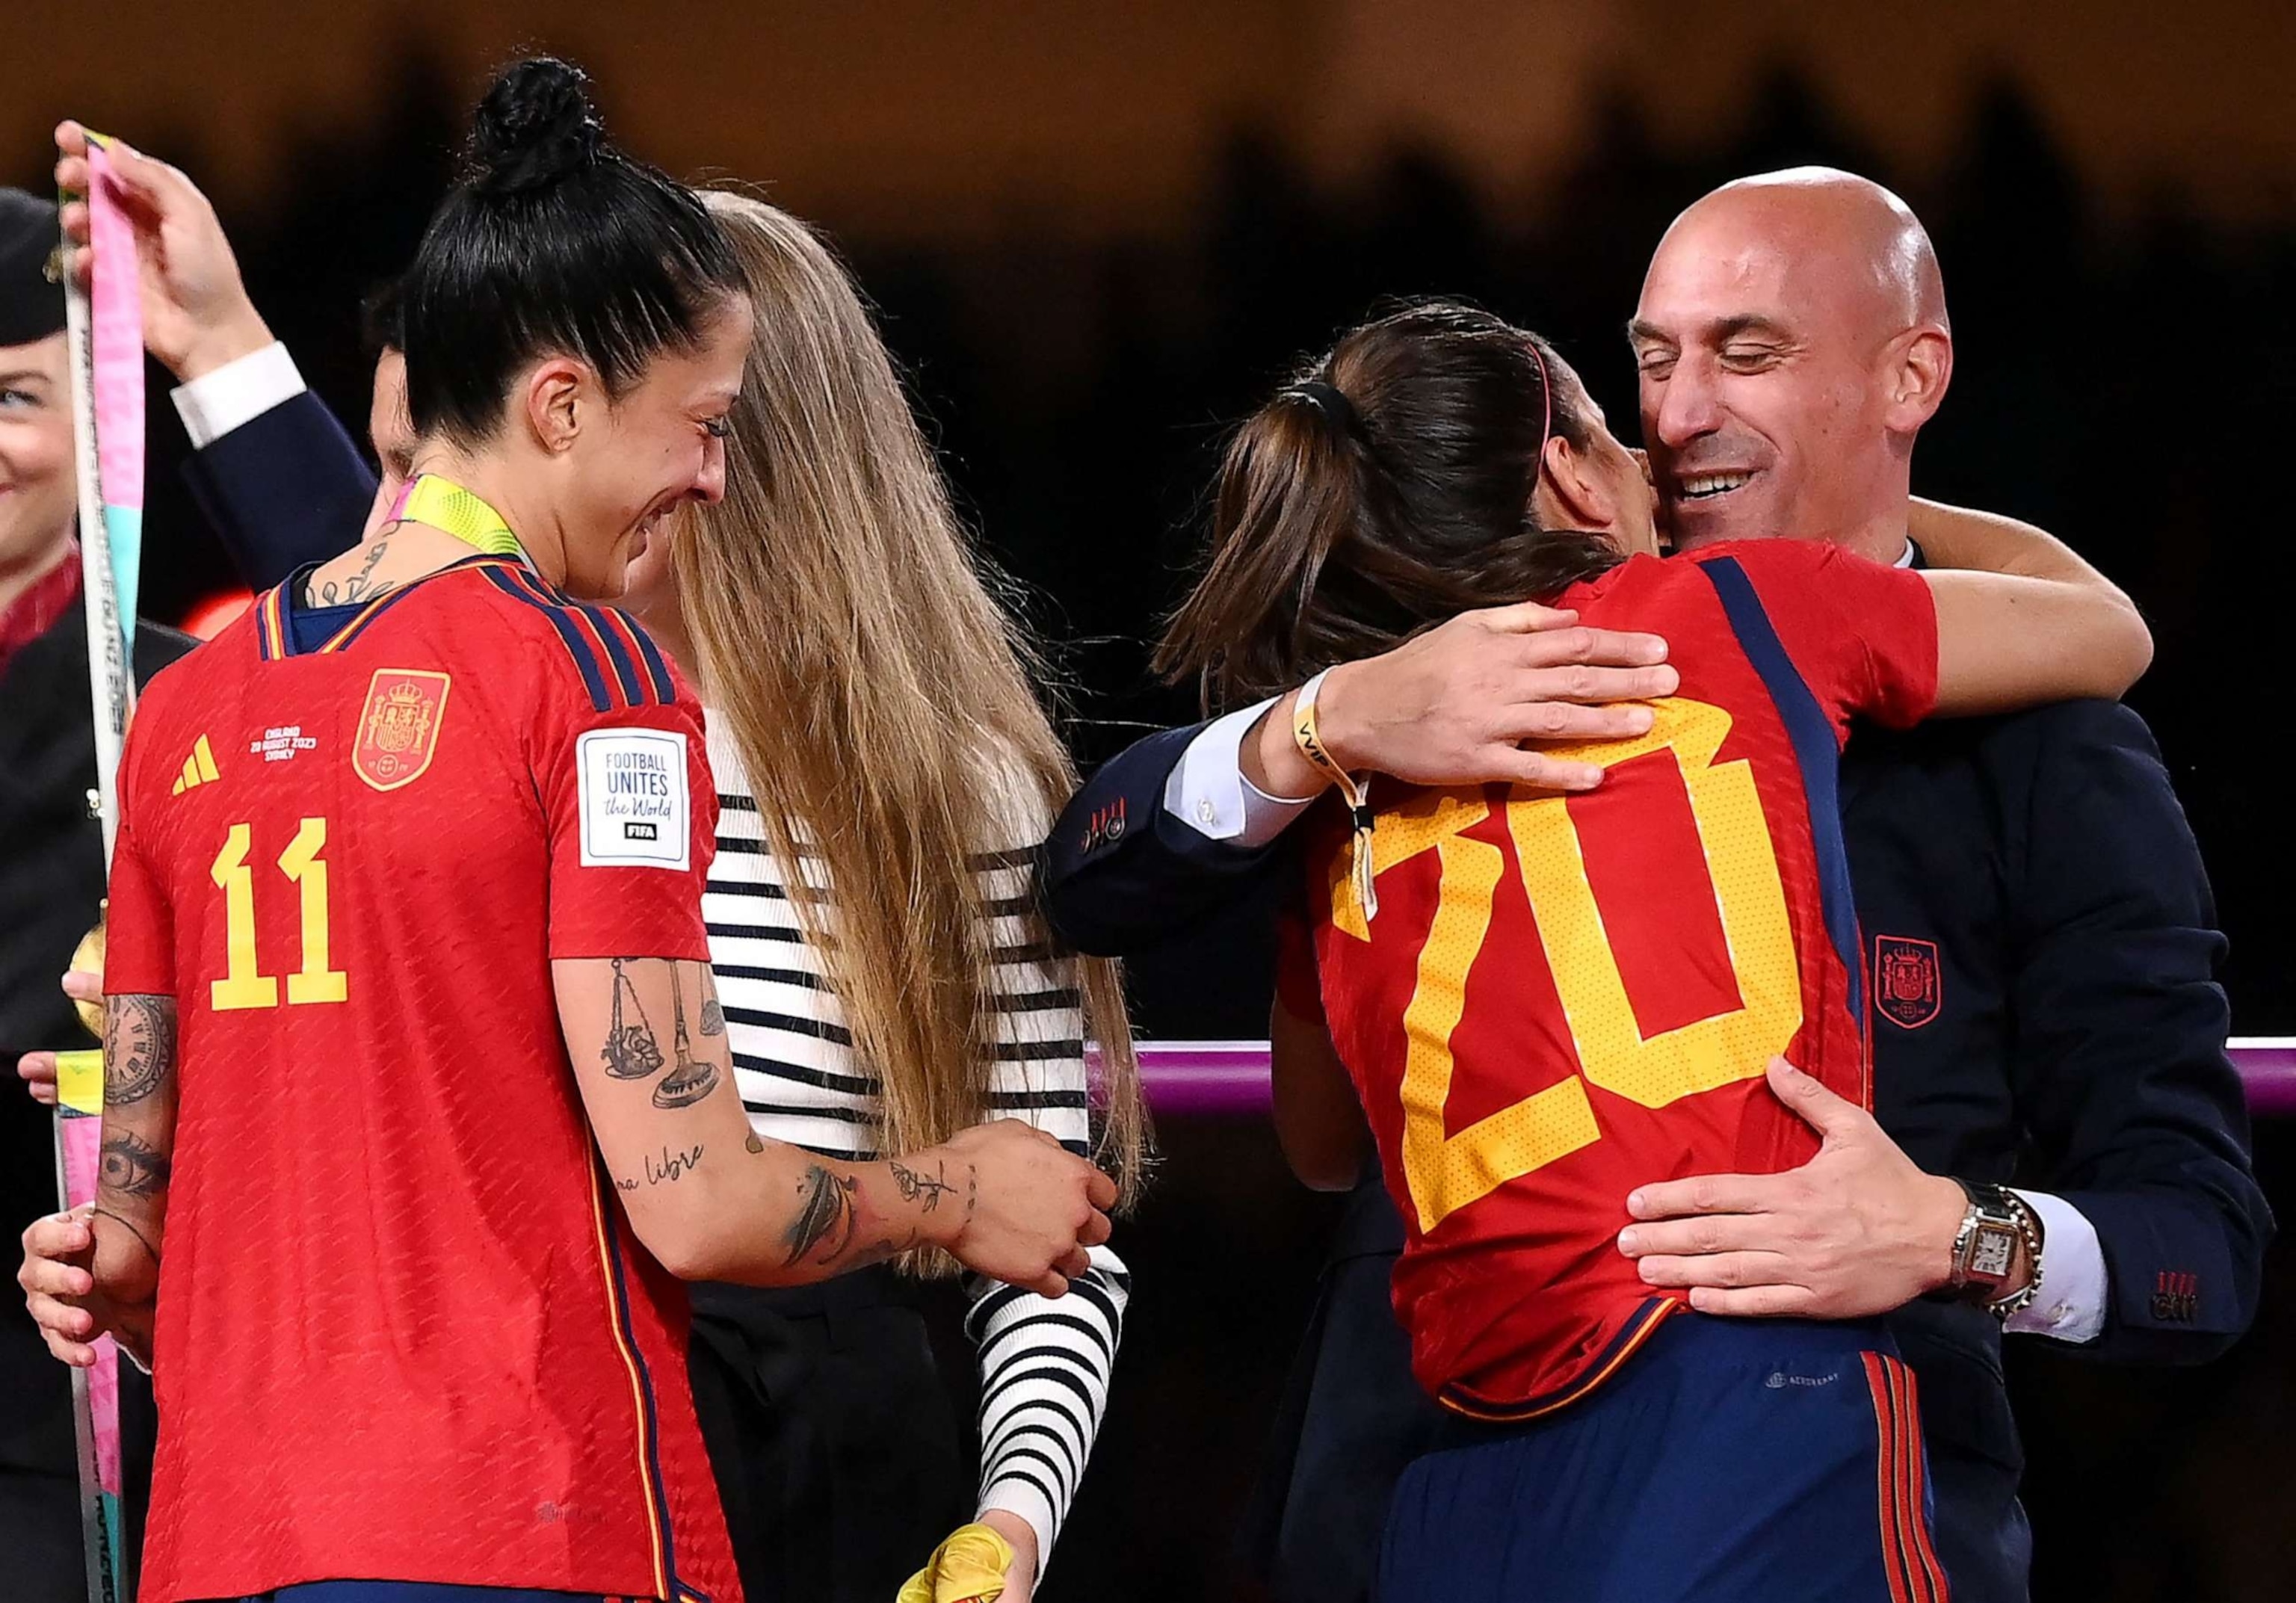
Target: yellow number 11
x=244, y=985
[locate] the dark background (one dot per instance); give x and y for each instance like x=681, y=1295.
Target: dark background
x=1096, y=239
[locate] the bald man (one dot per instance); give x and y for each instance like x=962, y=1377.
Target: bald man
x=2039, y=930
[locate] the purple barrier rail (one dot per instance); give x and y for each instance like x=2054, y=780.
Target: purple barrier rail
x=1229, y=1079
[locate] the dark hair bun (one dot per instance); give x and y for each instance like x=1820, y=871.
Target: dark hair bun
x=535, y=129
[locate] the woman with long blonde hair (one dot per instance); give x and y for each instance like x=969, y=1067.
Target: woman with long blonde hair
x=885, y=771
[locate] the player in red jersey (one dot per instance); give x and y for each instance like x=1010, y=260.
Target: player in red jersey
x=1542, y=1002
x=416, y=1085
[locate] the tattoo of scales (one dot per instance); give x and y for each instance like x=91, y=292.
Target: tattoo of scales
x=687, y=1081
x=140, y=1047
x=631, y=1052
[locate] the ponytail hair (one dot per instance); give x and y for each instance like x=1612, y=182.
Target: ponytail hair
x=1385, y=490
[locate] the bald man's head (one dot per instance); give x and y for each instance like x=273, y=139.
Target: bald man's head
x=1793, y=339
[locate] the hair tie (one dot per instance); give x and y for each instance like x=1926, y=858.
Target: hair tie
x=1330, y=400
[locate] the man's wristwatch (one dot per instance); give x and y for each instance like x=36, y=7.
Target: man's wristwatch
x=1985, y=1248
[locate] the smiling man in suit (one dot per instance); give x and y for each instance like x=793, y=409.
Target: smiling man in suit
x=2037, y=921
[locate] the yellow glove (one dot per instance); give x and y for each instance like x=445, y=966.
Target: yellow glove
x=969, y=1567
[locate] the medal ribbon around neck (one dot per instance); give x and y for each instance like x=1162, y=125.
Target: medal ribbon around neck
x=445, y=505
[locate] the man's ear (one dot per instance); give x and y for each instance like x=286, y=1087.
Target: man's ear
x=1918, y=378
x=1575, y=498
x=556, y=395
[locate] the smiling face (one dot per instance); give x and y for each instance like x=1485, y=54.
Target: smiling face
x=1773, y=342
x=661, y=444
x=37, y=492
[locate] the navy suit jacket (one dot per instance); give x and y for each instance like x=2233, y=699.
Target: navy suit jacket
x=2032, y=885
x=284, y=488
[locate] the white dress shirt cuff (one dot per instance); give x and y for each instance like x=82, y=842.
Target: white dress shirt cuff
x=1209, y=793
x=2074, y=1281
x=241, y=389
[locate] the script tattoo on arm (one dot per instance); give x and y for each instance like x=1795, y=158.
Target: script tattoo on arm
x=140, y=1056
x=361, y=587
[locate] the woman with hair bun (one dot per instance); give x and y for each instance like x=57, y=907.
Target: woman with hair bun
x=416, y=1078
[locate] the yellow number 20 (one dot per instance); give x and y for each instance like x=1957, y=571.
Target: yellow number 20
x=244, y=985
x=1447, y=1171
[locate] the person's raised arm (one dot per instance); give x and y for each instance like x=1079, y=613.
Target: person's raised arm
x=1458, y=704
x=271, y=467
x=197, y=316
x=713, y=1200
x=2022, y=619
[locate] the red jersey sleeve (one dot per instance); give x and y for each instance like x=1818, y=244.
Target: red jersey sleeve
x=1865, y=635
x=632, y=816
x=139, y=926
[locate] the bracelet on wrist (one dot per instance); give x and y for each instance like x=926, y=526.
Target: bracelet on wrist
x=1355, y=792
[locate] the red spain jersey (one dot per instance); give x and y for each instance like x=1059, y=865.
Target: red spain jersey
x=404, y=1330
x=1562, y=999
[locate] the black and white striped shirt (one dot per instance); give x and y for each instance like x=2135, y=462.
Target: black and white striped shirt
x=1045, y=1364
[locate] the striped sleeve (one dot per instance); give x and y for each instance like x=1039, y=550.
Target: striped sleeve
x=1045, y=1365
x=1045, y=1362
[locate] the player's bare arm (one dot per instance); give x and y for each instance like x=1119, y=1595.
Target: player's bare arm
x=139, y=1140
x=1455, y=705
x=714, y=1200
x=2022, y=618
x=1319, y=1121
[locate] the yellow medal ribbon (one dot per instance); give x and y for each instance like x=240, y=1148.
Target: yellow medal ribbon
x=969, y=1567
x=444, y=505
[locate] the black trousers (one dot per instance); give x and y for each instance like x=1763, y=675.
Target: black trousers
x=837, y=1451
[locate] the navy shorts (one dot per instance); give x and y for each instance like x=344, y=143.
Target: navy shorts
x=1729, y=1461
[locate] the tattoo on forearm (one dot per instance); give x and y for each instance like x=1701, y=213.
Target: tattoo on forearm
x=924, y=1189
x=130, y=1166
x=753, y=1142
x=631, y=1052
x=689, y=1079
x=713, y=1017
x=133, y=1229
x=139, y=1037
x=825, y=1217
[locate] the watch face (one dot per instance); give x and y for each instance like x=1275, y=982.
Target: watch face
x=1995, y=1247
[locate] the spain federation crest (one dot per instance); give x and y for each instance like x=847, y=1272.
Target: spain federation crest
x=398, y=727
x=1907, y=987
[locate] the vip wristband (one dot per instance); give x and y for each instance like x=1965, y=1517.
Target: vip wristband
x=1355, y=792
